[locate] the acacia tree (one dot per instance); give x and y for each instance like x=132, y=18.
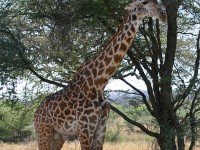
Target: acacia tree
x=48, y=40
x=160, y=68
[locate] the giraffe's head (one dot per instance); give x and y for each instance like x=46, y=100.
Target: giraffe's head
x=149, y=8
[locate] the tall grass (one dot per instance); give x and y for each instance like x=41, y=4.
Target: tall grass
x=139, y=145
x=76, y=146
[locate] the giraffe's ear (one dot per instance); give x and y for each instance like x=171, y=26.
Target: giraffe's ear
x=130, y=7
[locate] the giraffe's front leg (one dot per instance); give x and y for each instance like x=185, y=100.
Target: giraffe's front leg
x=44, y=134
x=88, y=120
x=47, y=138
x=100, y=132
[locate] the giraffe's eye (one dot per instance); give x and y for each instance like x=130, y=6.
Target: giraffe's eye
x=145, y=2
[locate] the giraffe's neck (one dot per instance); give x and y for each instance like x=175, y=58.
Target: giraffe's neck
x=102, y=67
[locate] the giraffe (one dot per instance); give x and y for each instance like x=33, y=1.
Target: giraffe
x=80, y=109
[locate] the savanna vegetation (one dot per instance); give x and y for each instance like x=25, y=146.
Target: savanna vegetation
x=43, y=42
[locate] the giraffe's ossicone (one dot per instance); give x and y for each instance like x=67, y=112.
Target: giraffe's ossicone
x=80, y=109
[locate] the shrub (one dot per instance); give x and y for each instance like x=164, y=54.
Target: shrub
x=12, y=125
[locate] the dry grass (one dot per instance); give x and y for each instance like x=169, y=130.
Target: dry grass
x=142, y=145
x=112, y=146
x=27, y=146
x=139, y=145
x=76, y=146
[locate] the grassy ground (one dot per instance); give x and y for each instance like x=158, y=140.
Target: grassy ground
x=76, y=146
x=128, y=139
x=142, y=145
x=133, y=141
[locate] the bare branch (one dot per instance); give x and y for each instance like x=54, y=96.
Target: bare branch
x=153, y=134
x=141, y=93
x=146, y=80
x=43, y=79
x=194, y=78
x=179, y=76
x=159, y=45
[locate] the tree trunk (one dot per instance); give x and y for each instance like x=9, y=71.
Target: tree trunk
x=167, y=118
x=180, y=138
x=193, y=133
x=167, y=140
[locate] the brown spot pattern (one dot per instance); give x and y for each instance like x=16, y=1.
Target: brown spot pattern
x=101, y=65
x=110, y=52
x=107, y=60
x=96, y=63
x=116, y=47
x=94, y=72
x=101, y=71
x=101, y=56
x=100, y=81
x=91, y=65
x=129, y=40
x=110, y=70
x=123, y=47
x=117, y=58
x=129, y=33
x=90, y=81
x=133, y=28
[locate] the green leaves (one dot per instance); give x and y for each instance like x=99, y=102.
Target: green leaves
x=13, y=123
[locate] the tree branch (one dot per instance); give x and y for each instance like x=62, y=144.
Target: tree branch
x=26, y=62
x=194, y=78
x=141, y=93
x=146, y=80
x=43, y=79
x=153, y=134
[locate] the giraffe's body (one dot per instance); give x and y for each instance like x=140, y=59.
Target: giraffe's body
x=80, y=109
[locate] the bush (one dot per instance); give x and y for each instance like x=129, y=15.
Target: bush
x=113, y=136
x=13, y=123
x=14, y=135
x=115, y=126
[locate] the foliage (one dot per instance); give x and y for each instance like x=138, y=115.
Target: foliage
x=115, y=126
x=14, y=123
x=42, y=43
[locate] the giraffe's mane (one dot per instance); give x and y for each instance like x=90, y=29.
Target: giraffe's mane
x=104, y=45
x=53, y=95
x=116, y=33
